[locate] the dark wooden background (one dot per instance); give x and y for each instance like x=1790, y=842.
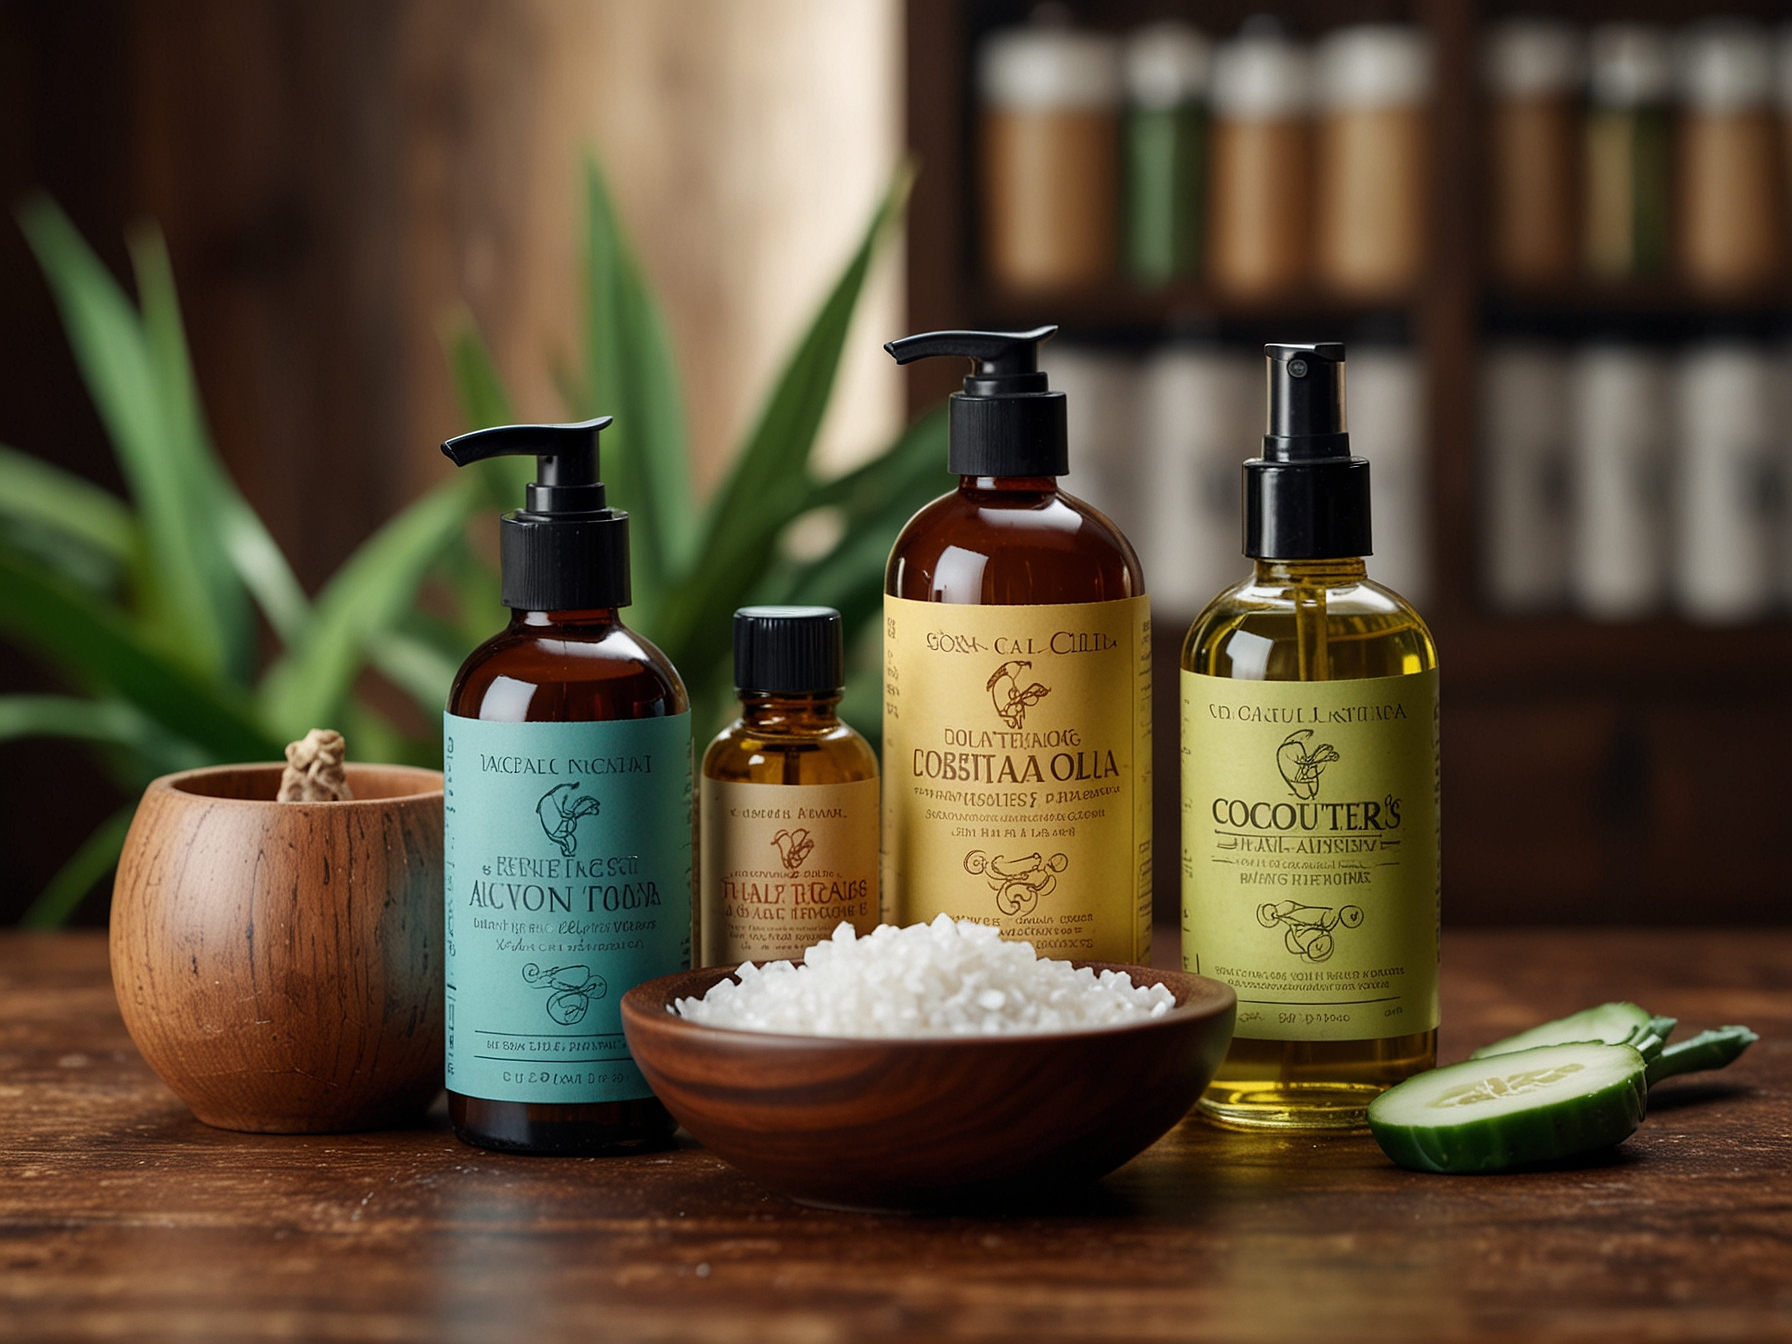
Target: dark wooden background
x=1613, y=774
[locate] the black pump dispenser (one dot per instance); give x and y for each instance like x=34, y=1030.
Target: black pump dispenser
x=1306, y=498
x=1006, y=422
x=566, y=549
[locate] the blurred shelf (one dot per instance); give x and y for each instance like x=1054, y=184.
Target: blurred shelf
x=1121, y=305
x=1668, y=300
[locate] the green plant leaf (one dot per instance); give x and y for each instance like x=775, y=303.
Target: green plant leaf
x=193, y=601
x=113, y=722
x=769, y=483
x=96, y=857
x=310, y=684
x=415, y=665
x=629, y=374
x=96, y=646
x=34, y=491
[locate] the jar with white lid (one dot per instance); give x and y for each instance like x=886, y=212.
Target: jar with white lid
x=1629, y=155
x=1167, y=66
x=1051, y=99
x=1258, y=199
x=1534, y=71
x=1373, y=83
x=1524, y=475
x=1620, y=412
x=1729, y=198
x=1724, y=481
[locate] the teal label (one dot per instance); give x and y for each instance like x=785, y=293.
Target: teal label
x=568, y=870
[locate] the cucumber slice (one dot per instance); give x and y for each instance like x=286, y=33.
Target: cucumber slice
x=1612, y=1023
x=1534, y=1105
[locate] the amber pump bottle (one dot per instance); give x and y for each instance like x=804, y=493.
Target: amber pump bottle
x=1309, y=793
x=789, y=802
x=567, y=751
x=1017, y=682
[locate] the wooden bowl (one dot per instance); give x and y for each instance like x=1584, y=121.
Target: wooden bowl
x=924, y=1122
x=280, y=964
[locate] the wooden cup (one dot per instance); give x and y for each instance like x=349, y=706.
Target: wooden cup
x=280, y=964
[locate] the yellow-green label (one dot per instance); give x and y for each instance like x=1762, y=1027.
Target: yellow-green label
x=1017, y=771
x=1309, y=852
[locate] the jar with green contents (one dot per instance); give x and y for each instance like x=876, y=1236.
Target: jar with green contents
x=1166, y=68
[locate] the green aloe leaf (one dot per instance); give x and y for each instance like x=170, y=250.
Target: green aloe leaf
x=98, y=648
x=96, y=857
x=110, y=722
x=418, y=666
x=372, y=592
x=194, y=602
x=769, y=484
x=32, y=490
x=629, y=374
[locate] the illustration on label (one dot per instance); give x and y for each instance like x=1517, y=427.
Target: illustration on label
x=1301, y=767
x=1018, y=883
x=1309, y=926
x=573, y=989
x=560, y=815
x=793, y=848
x=1009, y=696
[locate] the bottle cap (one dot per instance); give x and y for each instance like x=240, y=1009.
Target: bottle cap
x=1260, y=75
x=1306, y=498
x=1046, y=67
x=1371, y=65
x=1167, y=65
x=1632, y=64
x=1006, y=422
x=788, y=649
x=1726, y=66
x=565, y=549
x=1534, y=58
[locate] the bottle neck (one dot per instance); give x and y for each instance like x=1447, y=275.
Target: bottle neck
x=1017, y=485
x=594, y=619
x=790, y=711
x=1328, y=573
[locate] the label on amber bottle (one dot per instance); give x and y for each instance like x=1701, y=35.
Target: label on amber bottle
x=1309, y=852
x=1017, y=771
x=568, y=866
x=783, y=865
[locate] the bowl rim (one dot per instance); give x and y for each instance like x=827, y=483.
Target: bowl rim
x=423, y=775
x=1217, y=998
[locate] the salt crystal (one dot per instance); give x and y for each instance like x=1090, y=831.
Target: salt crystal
x=938, y=979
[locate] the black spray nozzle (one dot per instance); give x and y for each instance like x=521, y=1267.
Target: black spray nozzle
x=1306, y=402
x=566, y=549
x=1007, y=421
x=1007, y=361
x=1306, y=498
x=566, y=462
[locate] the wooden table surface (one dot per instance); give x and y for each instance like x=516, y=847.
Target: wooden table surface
x=123, y=1217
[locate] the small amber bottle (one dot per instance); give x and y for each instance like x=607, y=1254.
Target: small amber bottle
x=1309, y=796
x=1017, y=682
x=789, y=801
x=567, y=754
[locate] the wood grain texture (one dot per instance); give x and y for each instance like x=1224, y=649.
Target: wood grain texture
x=280, y=964
x=121, y=1217
x=915, y=1124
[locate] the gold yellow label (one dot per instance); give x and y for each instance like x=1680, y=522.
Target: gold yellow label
x=1310, y=850
x=783, y=865
x=1017, y=771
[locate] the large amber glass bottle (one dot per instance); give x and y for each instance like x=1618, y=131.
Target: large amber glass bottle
x=567, y=754
x=1309, y=798
x=1017, y=683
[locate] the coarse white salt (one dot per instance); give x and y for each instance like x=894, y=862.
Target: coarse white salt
x=938, y=979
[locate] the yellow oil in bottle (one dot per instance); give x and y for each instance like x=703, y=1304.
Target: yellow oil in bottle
x=1313, y=620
